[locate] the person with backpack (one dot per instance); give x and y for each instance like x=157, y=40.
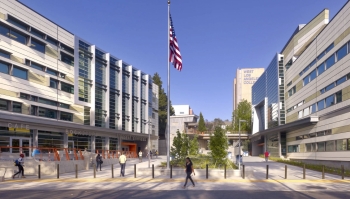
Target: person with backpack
x=19, y=163
x=189, y=170
x=98, y=161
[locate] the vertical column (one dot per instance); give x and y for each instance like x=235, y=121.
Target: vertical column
x=119, y=143
x=93, y=148
x=119, y=122
x=129, y=126
x=265, y=143
x=107, y=55
x=35, y=138
x=279, y=145
x=106, y=143
x=92, y=96
x=65, y=140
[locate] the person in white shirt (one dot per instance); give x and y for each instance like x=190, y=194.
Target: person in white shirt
x=122, y=161
x=20, y=164
x=140, y=156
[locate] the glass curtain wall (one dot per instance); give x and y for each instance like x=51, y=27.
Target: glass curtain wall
x=100, y=89
x=125, y=99
x=85, y=57
x=82, y=142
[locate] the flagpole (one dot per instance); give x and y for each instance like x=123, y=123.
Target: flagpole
x=168, y=111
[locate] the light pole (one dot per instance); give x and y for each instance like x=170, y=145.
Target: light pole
x=239, y=144
x=149, y=140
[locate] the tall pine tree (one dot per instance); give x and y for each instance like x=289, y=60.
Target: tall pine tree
x=201, y=124
x=163, y=106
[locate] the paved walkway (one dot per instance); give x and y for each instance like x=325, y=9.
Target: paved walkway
x=255, y=180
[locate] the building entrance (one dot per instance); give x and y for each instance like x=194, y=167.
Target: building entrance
x=16, y=144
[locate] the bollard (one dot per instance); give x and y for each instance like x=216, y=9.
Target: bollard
x=171, y=171
x=152, y=170
x=267, y=171
x=134, y=170
x=39, y=172
x=342, y=172
x=285, y=172
x=304, y=171
x=206, y=171
x=94, y=170
x=58, y=171
x=112, y=169
x=76, y=171
x=322, y=171
x=225, y=172
x=243, y=171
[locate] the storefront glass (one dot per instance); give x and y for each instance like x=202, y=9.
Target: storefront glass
x=81, y=142
x=100, y=143
x=48, y=139
x=113, y=143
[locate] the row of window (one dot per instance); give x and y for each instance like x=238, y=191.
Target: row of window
x=322, y=104
x=295, y=106
x=329, y=48
x=16, y=72
x=43, y=100
x=37, y=111
x=315, y=134
x=336, y=83
x=330, y=61
x=332, y=145
x=44, y=68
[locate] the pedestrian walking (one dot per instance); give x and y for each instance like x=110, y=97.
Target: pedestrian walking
x=189, y=170
x=150, y=153
x=122, y=162
x=156, y=153
x=99, y=161
x=267, y=154
x=19, y=163
x=140, y=156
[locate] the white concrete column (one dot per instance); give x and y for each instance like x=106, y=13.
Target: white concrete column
x=279, y=145
x=265, y=143
x=107, y=55
x=65, y=140
x=92, y=96
x=106, y=143
x=93, y=148
x=35, y=138
x=119, y=143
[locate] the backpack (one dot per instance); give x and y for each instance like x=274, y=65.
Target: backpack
x=16, y=163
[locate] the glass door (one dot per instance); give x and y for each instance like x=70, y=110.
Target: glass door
x=26, y=143
x=17, y=143
x=70, y=146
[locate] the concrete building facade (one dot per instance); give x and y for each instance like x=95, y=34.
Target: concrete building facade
x=59, y=90
x=242, y=84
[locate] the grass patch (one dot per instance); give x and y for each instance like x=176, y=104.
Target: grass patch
x=314, y=167
x=200, y=162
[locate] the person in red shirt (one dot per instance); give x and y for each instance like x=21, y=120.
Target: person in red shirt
x=267, y=154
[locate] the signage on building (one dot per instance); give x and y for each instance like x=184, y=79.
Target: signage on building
x=129, y=137
x=24, y=128
x=70, y=132
x=248, y=78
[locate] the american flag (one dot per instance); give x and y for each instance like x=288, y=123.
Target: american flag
x=175, y=55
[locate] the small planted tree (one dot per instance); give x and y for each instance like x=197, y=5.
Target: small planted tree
x=194, y=146
x=177, y=146
x=201, y=124
x=218, y=146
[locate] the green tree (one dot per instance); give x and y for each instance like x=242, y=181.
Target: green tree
x=201, y=123
x=218, y=146
x=163, y=106
x=177, y=146
x=194, y=146
x=243, y=112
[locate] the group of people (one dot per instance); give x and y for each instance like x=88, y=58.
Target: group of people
x=149, y=154
x=122, y=162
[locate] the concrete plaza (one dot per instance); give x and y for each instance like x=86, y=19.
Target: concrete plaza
x=253, y=186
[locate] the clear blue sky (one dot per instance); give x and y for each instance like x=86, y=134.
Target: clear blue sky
x=215, y=38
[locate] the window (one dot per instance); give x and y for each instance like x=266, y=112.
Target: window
x=63, y=76
x=51, y=40
x=323, y=90
x=307, y=111
x=320, y=146
x=44, y=112
x=320, y=105
x=306, y=80
x=24, y=96
x=5, y=54
x=290, y=83
x=338, y=97
x=53, y=83
x=308, y=147
x=16, y=107
x=64, y=105
x=300, y=137
x=340, y=81
x=20, y=73
x=300, y=114
x=37, y=45
x=329, y=87
x=330, y=101
x=342, y=52
x=312, y=135
x=313, y=108
x=313, y=75
x=320, y=133
x=328, y=132
x=18, y=36
x=37, y=33
x=46, y=101
x=33, y=98
x=17, y=23
x=330, y=145
x=66, y=116
x=321, y=69
x=4, y=105
x=67, y=59
x=340, y=145
x=4, y=68
x=330, y=61
x=4, y=30
x=67, y=49
x=293, y=149
x=292, y=91
x=153, y=115
x=34, y=110
x=37, y=66
x=51, y=71
x=67, y=87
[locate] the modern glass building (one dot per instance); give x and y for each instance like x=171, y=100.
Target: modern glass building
x=316, y=73
x=58, y=90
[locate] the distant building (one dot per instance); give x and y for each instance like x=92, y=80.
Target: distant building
x=242, y=84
